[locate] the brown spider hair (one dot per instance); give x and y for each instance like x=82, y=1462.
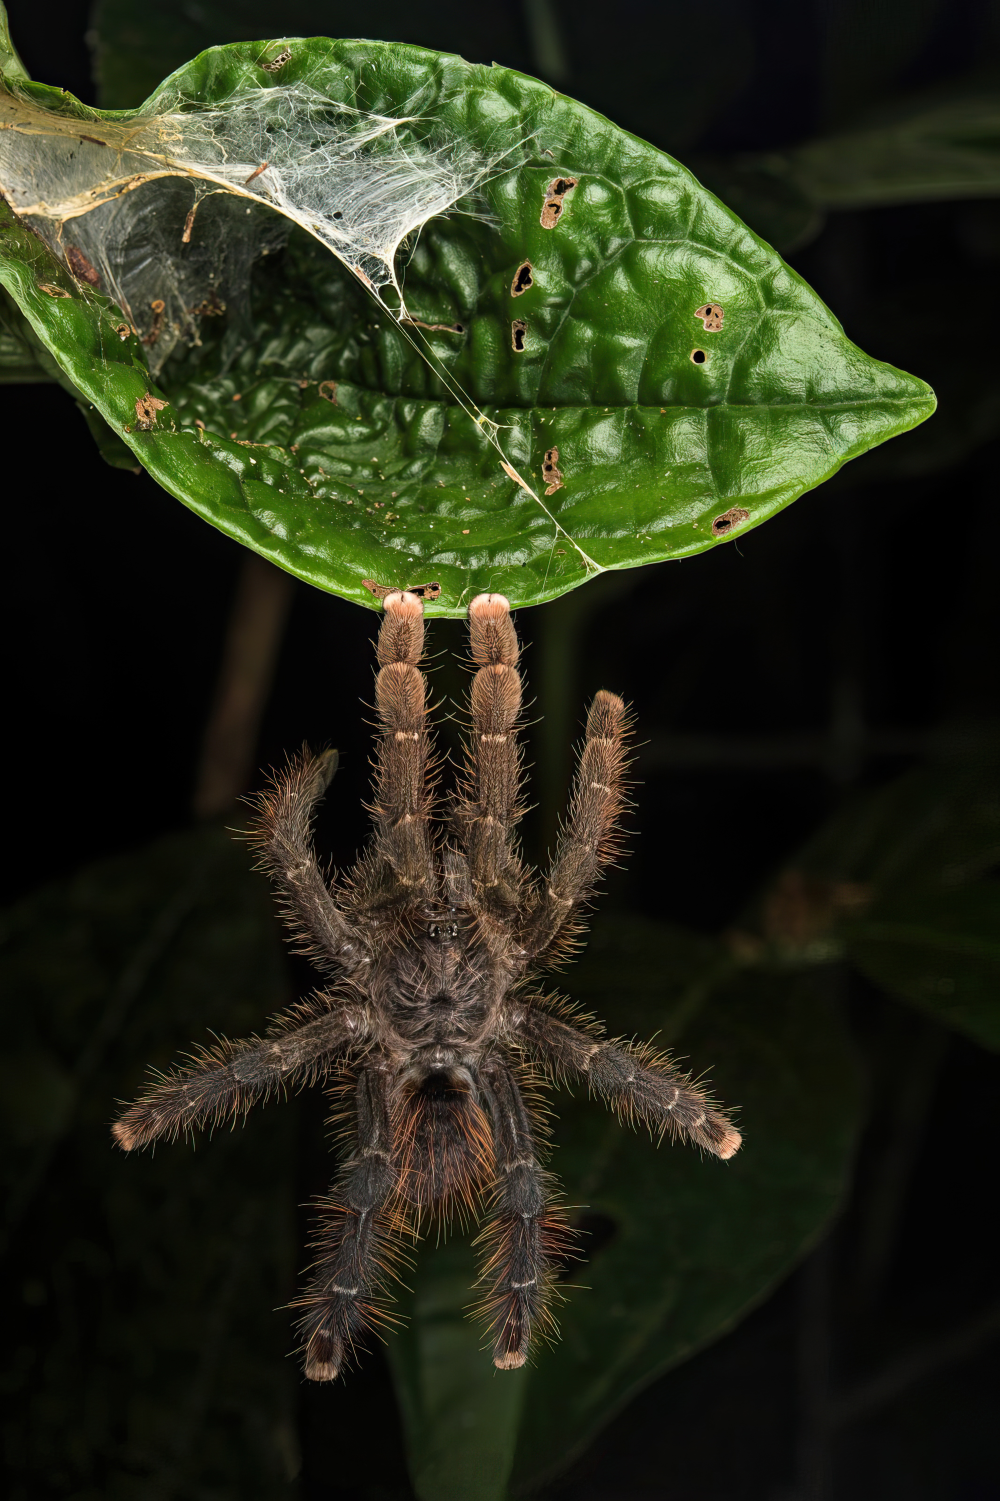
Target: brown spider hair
x=430, y=1016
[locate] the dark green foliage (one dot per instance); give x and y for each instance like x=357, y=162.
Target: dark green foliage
x=925, y=851
x=154, y=1365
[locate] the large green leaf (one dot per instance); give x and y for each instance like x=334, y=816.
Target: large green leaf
x=686, y=1246
x=661, y=456
x=144, y=1358
x=920, y=150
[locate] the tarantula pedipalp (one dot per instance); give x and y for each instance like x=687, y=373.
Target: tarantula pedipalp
x=430, y=944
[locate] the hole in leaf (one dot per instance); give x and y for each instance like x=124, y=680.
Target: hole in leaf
x=554, y=195
x=698, y=357
x=518, y=334
x=729, y=520
x=551, y=472
x=522, y=279
x=277, y=62
x=711, y=316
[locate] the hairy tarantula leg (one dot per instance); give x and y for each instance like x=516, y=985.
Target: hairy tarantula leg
x=403, y=855
x=282, y=835
x=587, y=843
x=232, y=1076
x=639, y=1084
x=489, y=807
x=342, y=1298
x=524, y=1233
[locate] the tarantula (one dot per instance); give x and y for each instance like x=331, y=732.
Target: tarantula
x=431, y=943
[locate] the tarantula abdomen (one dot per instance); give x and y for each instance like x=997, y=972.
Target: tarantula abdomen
x=431, y=1016
x=443, y=1140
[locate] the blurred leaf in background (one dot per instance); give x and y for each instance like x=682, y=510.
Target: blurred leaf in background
x=150, y=1362
x=904, y=880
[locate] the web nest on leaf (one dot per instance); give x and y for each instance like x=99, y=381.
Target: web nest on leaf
x=168, y=212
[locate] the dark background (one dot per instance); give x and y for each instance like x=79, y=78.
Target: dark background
x=827, y=651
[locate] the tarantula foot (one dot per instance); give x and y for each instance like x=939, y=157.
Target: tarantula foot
x=124, y=1135
x=401, y=602
x=511, y=1334
x=324, y=1357
x=730, y=1143
x=139, y=1126
x=509, y=1360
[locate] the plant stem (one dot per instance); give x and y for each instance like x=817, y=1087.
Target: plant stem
x=249, y=658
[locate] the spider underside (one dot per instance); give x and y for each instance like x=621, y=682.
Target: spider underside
x=430, y=945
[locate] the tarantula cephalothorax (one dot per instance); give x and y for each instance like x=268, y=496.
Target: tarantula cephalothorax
x=431, y=944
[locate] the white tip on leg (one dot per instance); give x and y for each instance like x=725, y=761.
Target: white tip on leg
x=489, y=604
x=123, y=1136
x=730, y=1144
x=401, y=602
x=513, y=1359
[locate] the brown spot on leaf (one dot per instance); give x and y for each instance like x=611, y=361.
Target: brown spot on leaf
x=551, y=473
x=518, y=334
x=699, y=357
x=79, y=264
x=123, y=331
x=523, y=279
x=729, y=521
x=278, y=62
x=554, y=197
x=711, y=316
x=146, y=409
x=328, y=390
x=422, y=591
x=46, y=286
